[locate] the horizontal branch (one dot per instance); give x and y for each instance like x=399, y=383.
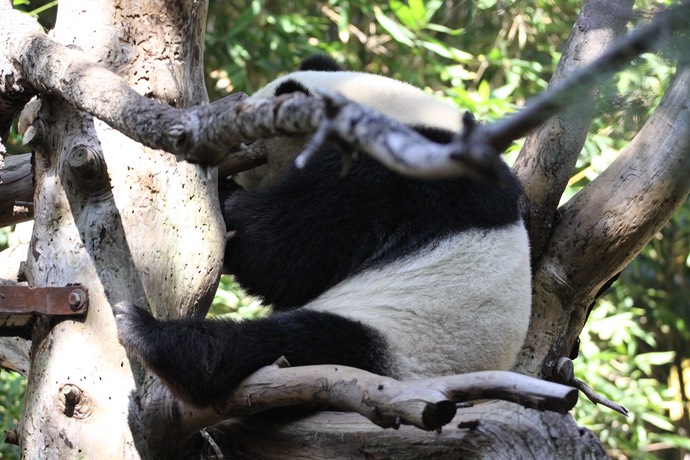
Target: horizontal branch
x=493, y=429
x=206, y=133
x=426, y=404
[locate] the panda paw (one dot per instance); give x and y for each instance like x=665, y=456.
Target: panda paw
x=132, y=326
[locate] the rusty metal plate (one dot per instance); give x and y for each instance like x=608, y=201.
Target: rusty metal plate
x=26, y=300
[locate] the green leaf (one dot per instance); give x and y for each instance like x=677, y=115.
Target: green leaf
x=658, y=421
x=484, y=91
x=445, y=30
x=645, y=361
x=43, y=8
x=673, y=440
x=447, y=52
x=399, y=33
x=486, y=4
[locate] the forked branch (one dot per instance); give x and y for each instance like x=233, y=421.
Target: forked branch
x=426, y=404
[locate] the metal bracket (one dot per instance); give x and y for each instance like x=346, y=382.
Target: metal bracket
x=18, y=305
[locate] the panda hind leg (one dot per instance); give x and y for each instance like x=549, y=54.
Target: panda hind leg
x=203, y=361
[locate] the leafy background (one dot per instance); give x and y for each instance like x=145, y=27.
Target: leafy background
x=487, y=56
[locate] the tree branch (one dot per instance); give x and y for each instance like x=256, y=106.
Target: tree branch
x=490, y=430
x=14, y=355
x=616, y=214
x=15, y=185
x=550, y=152
x=205, y=133
x=426, y=404
x=14, y=91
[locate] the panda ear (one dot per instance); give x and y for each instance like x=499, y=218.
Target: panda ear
x=291, y=86
x=320, y=62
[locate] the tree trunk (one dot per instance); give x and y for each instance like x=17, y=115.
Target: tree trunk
x=492, y=431
x=143, y=226
x=129, y=223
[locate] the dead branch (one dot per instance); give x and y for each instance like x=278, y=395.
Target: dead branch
x=487, y=431
x=204, y=133
x=599, y=399
x=426, y=404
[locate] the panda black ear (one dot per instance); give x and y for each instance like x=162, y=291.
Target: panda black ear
x=320, y=62
x=291, y=86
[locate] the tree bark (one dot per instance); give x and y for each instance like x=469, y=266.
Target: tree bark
x=601, y=229
x=128, y=222
x=15, y=185
x=492, y=430
x=143, y=226
x=549, y=154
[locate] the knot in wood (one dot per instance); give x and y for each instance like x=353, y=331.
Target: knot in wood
x=80, y=156
x=178, y=136
x=75, y=403
x=34, y=134
x=86, y=163
x=564, y=371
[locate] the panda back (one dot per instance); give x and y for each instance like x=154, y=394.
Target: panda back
x=398, y=100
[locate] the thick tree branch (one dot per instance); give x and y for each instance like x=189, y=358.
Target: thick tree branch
x=15, y=186
x=602, y=228
x=205, y=133
x=14, y=354
x=550, y=152
x=488, y=431
x=426, y=404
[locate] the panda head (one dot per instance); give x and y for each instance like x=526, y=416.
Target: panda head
x=398, y=100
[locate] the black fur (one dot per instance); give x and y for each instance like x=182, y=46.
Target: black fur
x=202, y=361
x=314, y=228
x=293, y=241
x=291, y=86
x=320, y=62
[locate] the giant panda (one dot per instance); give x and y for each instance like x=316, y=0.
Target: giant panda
x=398, y=276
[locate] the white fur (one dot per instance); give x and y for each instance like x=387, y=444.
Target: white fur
x=401, y=101
x=460, y=305
x=396, y=99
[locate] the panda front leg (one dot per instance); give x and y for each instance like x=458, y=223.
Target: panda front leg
x=203, y=361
